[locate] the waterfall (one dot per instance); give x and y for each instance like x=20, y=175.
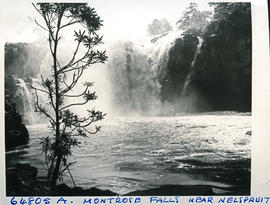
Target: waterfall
x=135, y=71
x=129, y=83
x=188, y=78
x=28, y=103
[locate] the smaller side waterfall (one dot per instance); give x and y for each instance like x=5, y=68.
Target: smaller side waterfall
x=188, y=78
x=28, y=99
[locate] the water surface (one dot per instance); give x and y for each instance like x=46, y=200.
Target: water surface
x=135, y=153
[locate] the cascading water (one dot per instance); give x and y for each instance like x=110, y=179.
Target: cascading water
x=129, y=83
x=135, y=72
x=133, y=82
x=188, y=78
x=28, y=103
x=28, y=100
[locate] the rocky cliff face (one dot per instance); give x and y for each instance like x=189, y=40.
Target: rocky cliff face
x=221, y=72
x=178, y=67
x=15, y=131
x=20, y=61
x=223, y=68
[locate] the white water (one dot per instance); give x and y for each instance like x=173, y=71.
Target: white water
x=187, y=81
x=27, y=94
x=128, y=84
x=134, y=153
x=29, y=103
x=134, y=73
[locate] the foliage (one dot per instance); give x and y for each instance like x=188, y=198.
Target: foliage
x=193, y=19
x=65, y=124
x=223, y=10
x=159, y=26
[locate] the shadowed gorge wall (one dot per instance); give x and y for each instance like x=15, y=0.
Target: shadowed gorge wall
x=223, y=68
x=221, y=75
x=180, y=58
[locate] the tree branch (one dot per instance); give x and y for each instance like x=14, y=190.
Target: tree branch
x=70, y=23
x=74, y=63
x=72, y=59
x=74, y=104
x=79, y=95
x=44, y=91
x=74, y=82
x=42, y=110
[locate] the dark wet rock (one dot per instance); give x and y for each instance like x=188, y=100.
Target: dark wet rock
x=64, y=190
x=15, y=131
x=21, y=180
x=60, y=189
x=27, y=171
x=180, y=57
x=13, y=182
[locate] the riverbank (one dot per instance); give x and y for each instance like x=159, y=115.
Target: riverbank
x=22, y=181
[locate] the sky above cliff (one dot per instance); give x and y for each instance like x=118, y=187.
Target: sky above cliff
x=123, y=20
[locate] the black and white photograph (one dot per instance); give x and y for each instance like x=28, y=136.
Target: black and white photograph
x=129, y=98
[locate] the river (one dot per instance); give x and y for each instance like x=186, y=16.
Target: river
x=135, y=153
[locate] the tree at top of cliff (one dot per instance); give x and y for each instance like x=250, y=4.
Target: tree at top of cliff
x=63, y=79
x=193, y=19
x=159, y=26
x=225, y=9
